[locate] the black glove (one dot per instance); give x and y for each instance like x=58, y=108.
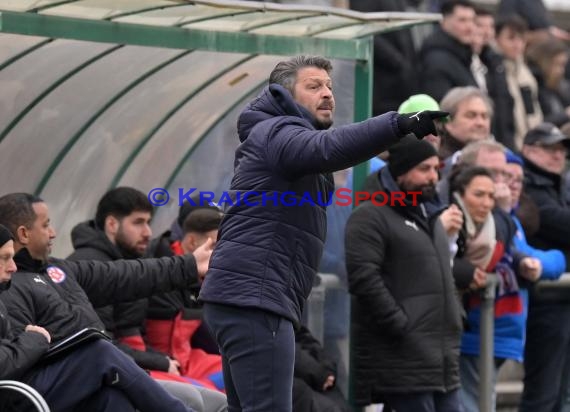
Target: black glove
x=419, y=123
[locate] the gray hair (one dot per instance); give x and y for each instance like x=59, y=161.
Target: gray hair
x=471, y=151
x=451, y=101
x=285, y=73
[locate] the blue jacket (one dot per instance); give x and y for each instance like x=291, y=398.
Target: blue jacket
x=267, y=252
x=511, y=310
x=553, y=260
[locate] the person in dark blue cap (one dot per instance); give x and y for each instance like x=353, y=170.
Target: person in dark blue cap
x=547, y=349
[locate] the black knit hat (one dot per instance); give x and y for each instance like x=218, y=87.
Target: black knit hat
x=189, y=207
x=408, y=153
x=5, y=235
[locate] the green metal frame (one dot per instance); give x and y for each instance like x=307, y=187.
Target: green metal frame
x=362, y=105
x=179, y=38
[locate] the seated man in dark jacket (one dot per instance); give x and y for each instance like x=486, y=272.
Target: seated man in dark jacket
x=121, y=230
x=174, y=319
x=314, y=385
x=61, y=295
x=93, y=377
x=271, y=239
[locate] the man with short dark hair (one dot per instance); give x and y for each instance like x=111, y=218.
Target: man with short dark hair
x=168, y=242
x=446, y=54
x=124, y=215
x=60, y=294
x=263, y=267
x=121, y=230
x=93, y=377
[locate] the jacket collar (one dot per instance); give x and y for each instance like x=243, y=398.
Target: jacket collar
x=26, y=263
x=536, y=175
x=88, y=235
x=443, y=40
x=418, y=213
x=449, y=145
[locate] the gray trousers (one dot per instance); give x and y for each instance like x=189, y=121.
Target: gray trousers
x=198, y=398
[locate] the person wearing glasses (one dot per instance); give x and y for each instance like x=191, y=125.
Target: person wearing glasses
x=547, y=348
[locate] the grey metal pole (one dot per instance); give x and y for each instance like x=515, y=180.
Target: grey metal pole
x=316, y=304
x=316, y=311
x=486, y=355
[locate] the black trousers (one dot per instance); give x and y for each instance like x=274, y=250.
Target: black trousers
x=546, y=357
x=258, y=356
x=306, y=399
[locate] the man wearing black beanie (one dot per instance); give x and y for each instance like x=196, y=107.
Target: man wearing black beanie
x=407, y=154
x=406, y=319
x=7, y=265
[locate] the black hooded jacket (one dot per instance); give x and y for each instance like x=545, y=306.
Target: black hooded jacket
x=446, y=63
x=405, y=311
x=18, y=353
x=268, y=252
x=121, y=319
x=61, y=295
x=546, y=190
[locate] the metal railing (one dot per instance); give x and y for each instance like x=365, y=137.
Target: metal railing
x=35, y=398
x=486, y=357
x=487, y=351
x=316, y=304
x=315, y=322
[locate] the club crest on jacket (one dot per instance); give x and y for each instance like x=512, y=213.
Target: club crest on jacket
x=56, y=274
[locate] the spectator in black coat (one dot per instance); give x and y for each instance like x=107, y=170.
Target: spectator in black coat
x=446, y=54
x=405, y=312
x=496, y=86
x=547, y=350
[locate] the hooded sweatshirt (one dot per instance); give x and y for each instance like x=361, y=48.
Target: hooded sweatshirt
x=270, y=246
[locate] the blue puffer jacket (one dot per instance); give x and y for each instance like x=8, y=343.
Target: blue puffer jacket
x=267, y=252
